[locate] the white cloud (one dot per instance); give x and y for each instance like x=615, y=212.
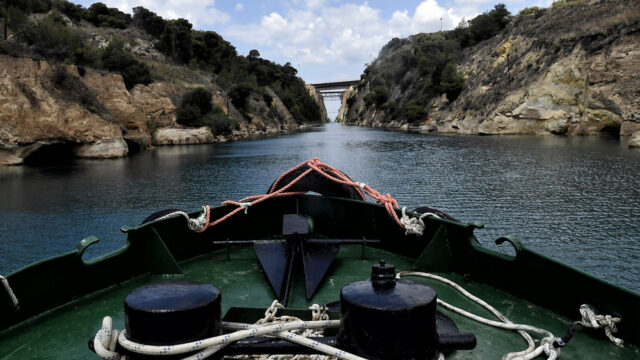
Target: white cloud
x=239, y=7
x=315, y=32
x=198, y=12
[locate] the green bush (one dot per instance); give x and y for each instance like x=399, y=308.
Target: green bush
x=148, y=21
x=199, y=98
x=73, y=11
x=48, y=37
x=197, y=110
x=239, y=95
x=100, y=14
x=529, y=10
x=267, y=99
x=189, y=115
x=415, y=112
x=378, y=96
x=452, y=82
x=176, y=40
x=133, y=71
x=219, y=122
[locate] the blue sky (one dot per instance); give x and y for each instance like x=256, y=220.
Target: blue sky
x=325, y=40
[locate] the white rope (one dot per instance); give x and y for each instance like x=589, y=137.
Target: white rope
x=591, y=320
x=505, y=323
x=283, y=327
x=7, y=287
x=104, y=343
x=414, y=225
x=245, y=206
x=194, y=224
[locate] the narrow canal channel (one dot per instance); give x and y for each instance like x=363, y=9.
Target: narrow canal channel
x=576, y=199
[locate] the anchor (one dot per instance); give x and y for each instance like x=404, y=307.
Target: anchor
x=279, y=258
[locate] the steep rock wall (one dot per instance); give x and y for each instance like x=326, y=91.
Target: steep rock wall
x=570, y=70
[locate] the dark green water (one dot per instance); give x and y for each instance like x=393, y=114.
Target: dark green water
x=576, y=199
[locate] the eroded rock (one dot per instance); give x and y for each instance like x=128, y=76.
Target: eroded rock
x=171, y=136
x=103, y=149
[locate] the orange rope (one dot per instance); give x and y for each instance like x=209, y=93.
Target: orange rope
x=321, y=168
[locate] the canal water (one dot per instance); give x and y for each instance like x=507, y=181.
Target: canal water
x=576, y=199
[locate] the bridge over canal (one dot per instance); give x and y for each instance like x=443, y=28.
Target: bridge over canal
x=335, y=89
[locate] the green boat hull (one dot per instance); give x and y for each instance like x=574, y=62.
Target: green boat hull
x=62, y=300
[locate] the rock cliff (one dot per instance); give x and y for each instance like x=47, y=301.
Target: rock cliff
x=103, y=109
x=44, y=104
x=568, y=70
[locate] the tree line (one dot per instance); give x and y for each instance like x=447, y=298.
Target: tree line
x=51, y=37
x=422, y=67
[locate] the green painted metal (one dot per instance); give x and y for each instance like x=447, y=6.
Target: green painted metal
x=62, y=299
x=436, y=256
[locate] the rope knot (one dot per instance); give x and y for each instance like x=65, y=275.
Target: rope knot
x=245, y=206
x=387, y=199
x=591, y=320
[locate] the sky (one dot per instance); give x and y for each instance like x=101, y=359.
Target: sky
x=326, y=40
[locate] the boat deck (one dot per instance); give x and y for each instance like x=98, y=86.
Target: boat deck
x=64, y=333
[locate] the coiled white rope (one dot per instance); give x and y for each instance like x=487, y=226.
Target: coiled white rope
x=522, y=329
x=10, y=292
x=194, y=224
x=608, y=322
x=414, y=225
x=105, y=340
x=285, y=327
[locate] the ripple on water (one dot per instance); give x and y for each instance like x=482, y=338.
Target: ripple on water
x=576, y=199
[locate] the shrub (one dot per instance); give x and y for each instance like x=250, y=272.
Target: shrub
x=200, y=98
x=133, y=71
x=148, y=21
x=48, y=37
x=189, y=115
x=378, y=96
x=73, y=11
x=529, y=10
x=415, y=112
x=176, y=40
x=452, y=82
x=219, y=122
x=267, y=99
x=351, y=100
x=239, y=95
x=100, y=14
x=59, y=76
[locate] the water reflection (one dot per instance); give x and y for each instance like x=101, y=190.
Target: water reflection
x=576, y=199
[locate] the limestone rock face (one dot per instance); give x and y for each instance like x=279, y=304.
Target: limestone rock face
x=317, y=97
x=556, y=73
x=171, y=136
x=628, y=128
x=33, y=108
x=102, y=149
x=111, y=91
x=153, y=106
x=635, y=140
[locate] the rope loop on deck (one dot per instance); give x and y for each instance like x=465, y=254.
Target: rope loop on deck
x=197, y=224
x=591, y=320
x=10, y=292
x=105, y=341
x=284, y=327
x=414, y=225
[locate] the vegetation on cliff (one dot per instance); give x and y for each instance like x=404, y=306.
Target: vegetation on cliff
x=569, y=69
x=60, y=30
x=409, y=73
